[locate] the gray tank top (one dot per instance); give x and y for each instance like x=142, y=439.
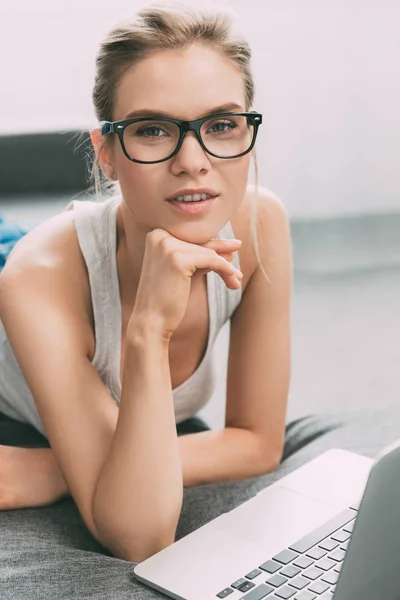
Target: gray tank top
x=95, y=224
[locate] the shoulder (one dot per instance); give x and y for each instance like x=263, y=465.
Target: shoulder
x=48, y=260
x=46, y=244
x=271, y=222
x=265, y=204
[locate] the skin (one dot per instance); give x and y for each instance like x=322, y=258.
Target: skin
x=205, y=80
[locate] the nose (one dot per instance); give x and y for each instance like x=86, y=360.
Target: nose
x=191, y=157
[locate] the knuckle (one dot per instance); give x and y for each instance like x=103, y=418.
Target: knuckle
x=177, y=257
x=214, y=255
x=157, y=235
x=166, y=245
x=224, y=262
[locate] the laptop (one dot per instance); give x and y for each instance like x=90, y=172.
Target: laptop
x=307, y=536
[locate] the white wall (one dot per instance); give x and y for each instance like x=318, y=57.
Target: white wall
x=327, y=76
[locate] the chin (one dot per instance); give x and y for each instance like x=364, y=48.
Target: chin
x=195, y=233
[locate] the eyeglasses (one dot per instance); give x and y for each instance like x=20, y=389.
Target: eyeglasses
x=152, y=140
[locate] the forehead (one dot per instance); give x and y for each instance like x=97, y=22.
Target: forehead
x=184, y=83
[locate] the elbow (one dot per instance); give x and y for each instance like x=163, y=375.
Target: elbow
x=277, y=456
x=137, y=542
x=132, y=538
x=268, y=455
x=269, y=467
x=272, y=462
x=137, y=553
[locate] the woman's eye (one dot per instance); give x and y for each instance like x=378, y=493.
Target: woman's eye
x=147, y=129
x=223, y=126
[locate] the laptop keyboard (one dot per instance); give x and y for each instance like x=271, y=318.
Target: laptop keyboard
x=306, y=570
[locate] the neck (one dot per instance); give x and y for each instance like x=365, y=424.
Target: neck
x=130, y=253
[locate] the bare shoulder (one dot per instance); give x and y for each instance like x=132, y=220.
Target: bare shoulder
x=48, y=259
x=272, y=227
x=46, y=244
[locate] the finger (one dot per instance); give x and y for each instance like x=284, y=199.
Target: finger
x=227, y=255
x=234, y=283
x=211, y=260
x=223, y=244
x=227, y=249
x=229, y=273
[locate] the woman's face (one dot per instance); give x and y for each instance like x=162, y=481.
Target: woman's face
x=183, y=84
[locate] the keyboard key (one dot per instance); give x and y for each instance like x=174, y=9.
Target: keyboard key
x=303, y=562
x=290, y=571
x=246, y=586
x=329, y=544
x=337, y=555
x=270, y=566
x=345, y=545
x=316, y=553
x=254, y=573
x=323, y=531
x=349, y=527
x=325, y=564
x=306, y=595
x=330, y=577
x=259, y=592
x=338, y=567
x=238, y=583
x=285, y=592
x=285, y=557
x=276, y=580
x=300, y=582
x=312, y=573
x=341, y=536
x=326, y=596
x=225, y=593
x=319, y=587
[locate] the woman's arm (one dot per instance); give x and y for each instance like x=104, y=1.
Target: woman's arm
x=122, y=467
x=138, y=496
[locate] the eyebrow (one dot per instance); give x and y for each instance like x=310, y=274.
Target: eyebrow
x=144, y=112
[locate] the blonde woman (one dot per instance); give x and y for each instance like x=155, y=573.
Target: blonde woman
x=110, y=311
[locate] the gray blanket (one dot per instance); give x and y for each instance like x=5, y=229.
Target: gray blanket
x=47, y=553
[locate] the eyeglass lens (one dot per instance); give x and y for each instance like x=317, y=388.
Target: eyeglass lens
x=156, y=139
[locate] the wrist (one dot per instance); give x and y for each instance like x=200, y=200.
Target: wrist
x=145, y=330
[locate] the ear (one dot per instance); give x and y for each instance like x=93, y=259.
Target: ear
x=103, y=153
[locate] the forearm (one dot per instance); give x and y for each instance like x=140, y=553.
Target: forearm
x=139, y=492
x=223, y=455
x=212, y=456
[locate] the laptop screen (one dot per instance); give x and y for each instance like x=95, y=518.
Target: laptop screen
x=371, y=568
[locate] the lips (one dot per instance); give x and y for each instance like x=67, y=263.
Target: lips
x=191, y=192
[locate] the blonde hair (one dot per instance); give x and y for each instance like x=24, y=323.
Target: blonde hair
x=164, y=26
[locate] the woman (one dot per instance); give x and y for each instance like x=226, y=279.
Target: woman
x=110, y=311
x=127, y=285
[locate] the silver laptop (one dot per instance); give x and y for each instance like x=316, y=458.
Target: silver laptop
x=295, y=539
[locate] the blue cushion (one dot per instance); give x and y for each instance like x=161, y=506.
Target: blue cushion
x=10, y=233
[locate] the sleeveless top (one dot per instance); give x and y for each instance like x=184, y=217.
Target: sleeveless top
x=95, y=224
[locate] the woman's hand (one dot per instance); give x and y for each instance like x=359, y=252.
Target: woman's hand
x=168, y=267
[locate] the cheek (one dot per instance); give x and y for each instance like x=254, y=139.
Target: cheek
x=137, y=176
x=142, y=181
x=236, y=174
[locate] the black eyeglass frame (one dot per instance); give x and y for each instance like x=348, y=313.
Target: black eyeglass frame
x=118, y=127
